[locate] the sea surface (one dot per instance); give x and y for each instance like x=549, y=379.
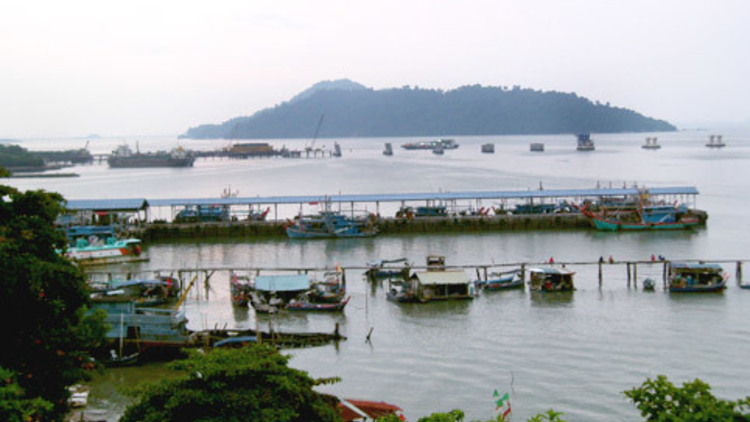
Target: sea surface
x=575, y=353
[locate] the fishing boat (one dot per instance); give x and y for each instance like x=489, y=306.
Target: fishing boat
x=536, y=147
x=388, y=151
x=651, y=143
x=501, y=281
x=331, y=288
x=361, y=410
x=400, y=291
x=270, y=293
x=551, y=280
x=584, y=142
x=94, y=251
x=330, y=224
x=240, y=288
x=124, y=157
x=142, y=291
x=683, y=277
x=304, y=303
x=388, y=268
x=641, y=215
x=715, y=141
x=488, y=148
x=443, y=144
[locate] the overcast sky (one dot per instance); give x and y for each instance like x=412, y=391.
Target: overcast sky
x=71, y=68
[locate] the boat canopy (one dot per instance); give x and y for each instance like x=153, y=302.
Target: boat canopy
x=551, y=271
x=695, y=266
x=282, y=283
x=442, y=277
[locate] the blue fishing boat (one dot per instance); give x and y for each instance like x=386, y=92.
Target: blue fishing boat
x=640, y=214
x=330, y=224
x=109, y=251
x=331, y=288
x=304, y=304
x=686, y=277
x=142, y=291
x=271, y=293
x=501, y=281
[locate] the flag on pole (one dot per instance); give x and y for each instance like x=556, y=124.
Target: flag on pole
x=502, y=405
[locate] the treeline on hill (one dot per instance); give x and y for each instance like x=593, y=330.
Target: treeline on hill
x=16, y=156
x=469, y=110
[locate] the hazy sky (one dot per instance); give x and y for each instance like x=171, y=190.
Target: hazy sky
x=70, y=68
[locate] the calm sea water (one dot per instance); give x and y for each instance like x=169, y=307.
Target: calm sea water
x=575, y=353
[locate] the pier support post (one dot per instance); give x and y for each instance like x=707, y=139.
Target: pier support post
x=738, y=276
x=600, y=273
x=664, y=274
x=523, y=272
x=627, y=265
x=635, y=275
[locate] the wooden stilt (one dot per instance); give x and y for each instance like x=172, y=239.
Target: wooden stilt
x=635, y=275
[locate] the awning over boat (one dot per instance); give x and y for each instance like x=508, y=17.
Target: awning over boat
x=136, y=204
x=558, y=271
x=282, y=283
x=442, y=277
x=695, y=266
x=352, y=410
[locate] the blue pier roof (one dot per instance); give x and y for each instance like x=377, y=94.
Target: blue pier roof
x=122, y=204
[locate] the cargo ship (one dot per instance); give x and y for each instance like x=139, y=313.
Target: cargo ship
x=124, y=157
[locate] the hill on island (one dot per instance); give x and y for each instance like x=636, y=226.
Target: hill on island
x=349, y=109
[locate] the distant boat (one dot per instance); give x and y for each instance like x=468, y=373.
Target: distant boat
x=124, y=157
x=444, y=143
x=439, y=150
x=536, y=147
x=382, y=269
x=695, y=278
x=714, y=141
x=388, y=151
x=488, y=148
x=585, y=143
x=651, y=143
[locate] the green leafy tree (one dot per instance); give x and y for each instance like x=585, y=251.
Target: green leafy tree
x=454, y=415
x=43, y=300
x=15, y=406
x=660, y=400
x=247, y=384
x=4, y=172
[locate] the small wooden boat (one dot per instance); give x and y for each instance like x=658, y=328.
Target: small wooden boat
x=649, y=284
x=696, y=278
x=744, y=286
x=239, y=288
x=330, y=289
x=382, y=269
x=501, y=281
x=306, y=305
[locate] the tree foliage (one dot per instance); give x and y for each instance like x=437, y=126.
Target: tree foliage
x=15, y=406
x=16, y=156
x=43, y=301
x=660, y=400
x=468, y=110
x=246, y=384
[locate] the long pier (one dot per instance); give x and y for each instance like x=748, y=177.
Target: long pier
x=203, y=275
x=461, y=211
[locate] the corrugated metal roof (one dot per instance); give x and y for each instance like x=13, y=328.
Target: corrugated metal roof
x=442, y=277
x=108, y=204
x=282, y=283
x=385, y=197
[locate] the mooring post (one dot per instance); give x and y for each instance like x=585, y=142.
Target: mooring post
x=739, y=272
x=664, y=274
x=600, y=273
x=485, y=273
x=627, y=265
x=523, y=272
x=635, y=275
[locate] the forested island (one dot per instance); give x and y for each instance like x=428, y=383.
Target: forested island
x=338, y=109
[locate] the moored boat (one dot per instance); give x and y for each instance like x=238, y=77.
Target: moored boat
x=240, y=288
x=331, y=288
x=651, y=143
x=443, y=144
x=501, y=281
x=327, y=224
x=270, y=293
x=683, y=277
x=124, y=157
x=715, y=141
x=584, y=142
x=384, y=268
x=640, y=214
x=551, y=280
x=305, y=304
x=97, y=252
